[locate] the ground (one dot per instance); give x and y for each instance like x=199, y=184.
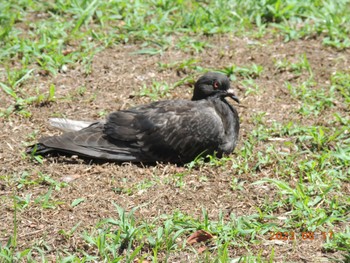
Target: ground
x=70, y=193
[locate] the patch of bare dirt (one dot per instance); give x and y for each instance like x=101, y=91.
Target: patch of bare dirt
x=117, y=75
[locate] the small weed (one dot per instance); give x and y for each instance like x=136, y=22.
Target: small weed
x=111, y=243
x=237, y=185
x=209, y=160
x=341, y=82
x=181, y=66
x=340, y=241
x=188, y=44
x=305, y=199
x=77, y=202
x=314, y=101
x=297, y=68
x=26, y=180
x=146, y=184
x=251, y=88
x=22, y=203
x=69, y=234
x=157, y=91
x=20, y=103
x=81, y=90
x=179, y=180
x=120, y=190
x=254, y=71
x=102, y=113
x=46, y=201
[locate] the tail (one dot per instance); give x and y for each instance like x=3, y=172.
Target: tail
x=65, y=125
x=86, y=139
x=69, y=125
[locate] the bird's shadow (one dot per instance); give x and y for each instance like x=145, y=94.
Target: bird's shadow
x=67, y=158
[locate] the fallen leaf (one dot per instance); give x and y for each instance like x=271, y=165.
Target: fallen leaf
x=201, y=249
x=67, y=52
x=199, y=236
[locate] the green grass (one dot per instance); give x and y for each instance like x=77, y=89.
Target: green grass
x=157, y=91
x=47, y=37
x=306, y=166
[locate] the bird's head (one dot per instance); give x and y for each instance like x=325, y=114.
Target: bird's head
x=213, y=84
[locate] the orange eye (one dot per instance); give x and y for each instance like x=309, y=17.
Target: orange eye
x=216, y=85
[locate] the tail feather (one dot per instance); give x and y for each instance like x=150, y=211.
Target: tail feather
x=69, y=125
x=85, y=139
x=65, y=145
x=38, y=148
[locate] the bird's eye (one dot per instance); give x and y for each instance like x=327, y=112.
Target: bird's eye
x=216, y=84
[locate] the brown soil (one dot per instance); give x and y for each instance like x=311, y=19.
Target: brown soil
x=117, y=75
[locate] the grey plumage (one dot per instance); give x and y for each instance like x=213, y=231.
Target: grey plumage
x=166, y=131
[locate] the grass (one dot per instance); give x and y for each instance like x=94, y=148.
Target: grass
x=157, y=91
x=163, y=233
x=304, y=166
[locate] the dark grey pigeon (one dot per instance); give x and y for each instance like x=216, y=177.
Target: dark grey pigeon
x=174, y=131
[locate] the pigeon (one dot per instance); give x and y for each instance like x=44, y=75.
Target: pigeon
x=174, y=131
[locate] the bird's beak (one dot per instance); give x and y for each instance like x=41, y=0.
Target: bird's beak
x=232, y=95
